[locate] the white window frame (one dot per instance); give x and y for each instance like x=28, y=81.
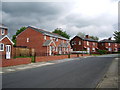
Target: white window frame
x=56, y=39
x=79, y=42
x=51, y=38
x=116, y=44
x=0, y=47
x=93, y=49
x=87, y=43
x=2, y=31
x=44, y=37
x=109, y=49
x=93, y=43
x=109, y=44
x=28, y=39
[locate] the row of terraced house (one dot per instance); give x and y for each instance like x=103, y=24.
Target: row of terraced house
x=47, y=43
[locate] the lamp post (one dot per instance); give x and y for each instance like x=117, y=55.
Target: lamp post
x=82, y=47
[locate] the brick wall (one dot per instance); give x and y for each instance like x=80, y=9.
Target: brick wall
x=13, y=62
x=50, y=58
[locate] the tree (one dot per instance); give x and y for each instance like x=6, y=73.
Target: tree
x=80, y=34
x=94, y=37
x=18, y=32
x=117, y=36
x=61, y=32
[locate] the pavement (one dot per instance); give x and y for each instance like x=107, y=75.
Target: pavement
x=110, y=79
x=77, y=73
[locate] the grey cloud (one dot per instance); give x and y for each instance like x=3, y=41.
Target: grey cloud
x=51, y=15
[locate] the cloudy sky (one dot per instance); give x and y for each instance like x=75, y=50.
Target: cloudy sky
x=93, y=17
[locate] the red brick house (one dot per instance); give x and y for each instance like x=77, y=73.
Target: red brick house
x=109, y=45
x=44, y=42
x=6, y=45
x=84, y=43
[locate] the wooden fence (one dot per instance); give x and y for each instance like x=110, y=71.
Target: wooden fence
x=19, y=51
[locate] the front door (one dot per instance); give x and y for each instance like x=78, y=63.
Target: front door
x=8, y=51
x=50, y=50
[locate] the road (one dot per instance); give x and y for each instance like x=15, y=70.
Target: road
x=83, y=73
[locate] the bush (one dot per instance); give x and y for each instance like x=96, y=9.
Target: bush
x=102, y=51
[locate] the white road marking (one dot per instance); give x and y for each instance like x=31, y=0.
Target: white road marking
x=10, y=70
x=117, y=58
x=1, y=72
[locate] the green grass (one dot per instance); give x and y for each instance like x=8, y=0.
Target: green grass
x=95, y=54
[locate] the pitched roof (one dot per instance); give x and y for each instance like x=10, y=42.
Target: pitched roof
x=47, y=42
x=47, y=33
x=108, y=41
x=6, y=37
x=3, y=26
x=88, y=39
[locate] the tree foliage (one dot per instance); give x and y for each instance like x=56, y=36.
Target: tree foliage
x=94, y=37
x=59, y=31
x=117, y=36
x=18, y=32
x=80, y=34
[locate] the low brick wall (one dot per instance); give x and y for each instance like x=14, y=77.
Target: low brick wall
x=50, y=58
x=13, y=62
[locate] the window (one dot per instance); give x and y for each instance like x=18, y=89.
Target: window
x=2, y=31
x=67, y=49
x=45, y=37
x=67, y=41
x=108, y=44
x=51, y=38
x=53, y=48
x=1, y=47
x=109, y=49
x=102, y=44
x=73, y=42
x=87, y=43
x=79, y=42
x=115, y=44
x=56, y=39
x=93, y=44
x=28, y=39
x=93, y=49
x=115, y=50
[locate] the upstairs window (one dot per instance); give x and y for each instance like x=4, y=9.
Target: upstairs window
x=28, y=39
x=93, y=44
x=79, y=42
x=45, y=37
x=73, y=42
x=1, y=47
x=115, y=44
x=87, y=43
x=51, y=38
x=109, y=44
x=2, y=31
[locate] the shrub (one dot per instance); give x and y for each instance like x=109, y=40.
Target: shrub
x=102, y=51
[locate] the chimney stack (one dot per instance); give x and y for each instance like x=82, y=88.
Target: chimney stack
x=109, y=38
x=87, y=36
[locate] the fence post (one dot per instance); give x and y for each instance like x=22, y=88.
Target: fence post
x=68, y=55
x=34, y=58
